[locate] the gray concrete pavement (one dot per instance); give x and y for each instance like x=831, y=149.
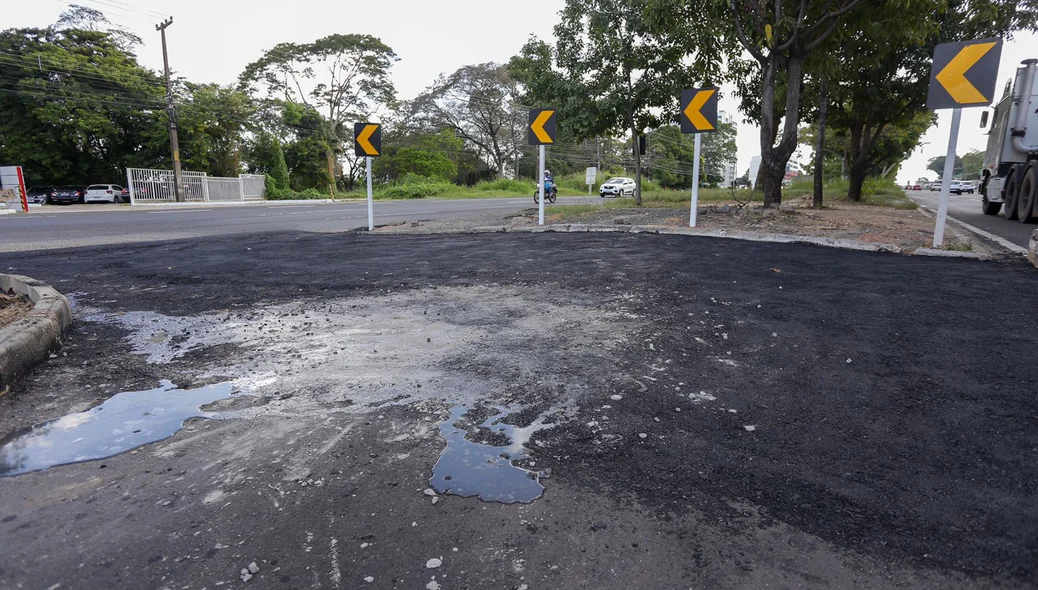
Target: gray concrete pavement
x=84, y=225
x=966, y=208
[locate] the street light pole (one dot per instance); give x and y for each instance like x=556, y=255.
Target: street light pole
x=174, y=143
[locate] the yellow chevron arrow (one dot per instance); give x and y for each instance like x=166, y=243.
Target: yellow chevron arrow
x=364, y=140
x=538, y=127
x=953, y=76
x=692, y=110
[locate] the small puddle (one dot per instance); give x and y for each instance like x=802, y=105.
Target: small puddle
x=123, y=422
x=467, y=468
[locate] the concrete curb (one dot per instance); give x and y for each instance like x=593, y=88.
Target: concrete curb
x=1032, y=252
x=1010, y=246
x=30, y=340
x=670, y=230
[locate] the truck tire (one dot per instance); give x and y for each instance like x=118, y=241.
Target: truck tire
x=1010, y=191
x=989, y=207
x=1028, y=198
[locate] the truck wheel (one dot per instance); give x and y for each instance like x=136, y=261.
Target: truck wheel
x=1025, y=210
x=1010, y=190
x=989, y=207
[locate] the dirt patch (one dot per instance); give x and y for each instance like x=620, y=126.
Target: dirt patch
x=13, y=307
x=905, y=228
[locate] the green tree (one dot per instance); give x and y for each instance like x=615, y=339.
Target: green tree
x=76, y=107
x=266, y=156
x=670, y=155
x=212, y=121
x=972, y=164
x=937, y=165
x=619, y=65
x=345, y=78
x=422, y=155
x=477, y=103
x=780, y=36
x=306, y=153
x=882, y=80
x=718, y=151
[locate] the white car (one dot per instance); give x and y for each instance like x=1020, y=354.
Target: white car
x=104, y=193
x=617, y=187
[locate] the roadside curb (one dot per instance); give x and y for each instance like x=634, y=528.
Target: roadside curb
x=670, y=230
x=30, y=340
x=999, y=240
x=719, y=233
x=1032, y=252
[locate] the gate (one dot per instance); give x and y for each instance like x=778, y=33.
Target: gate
x=158, y=186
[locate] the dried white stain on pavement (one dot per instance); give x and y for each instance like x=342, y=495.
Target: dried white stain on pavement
x=459, y=345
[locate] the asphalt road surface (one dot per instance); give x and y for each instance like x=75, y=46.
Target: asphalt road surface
x=966, y=208
x=91, y=225
x=702, y=413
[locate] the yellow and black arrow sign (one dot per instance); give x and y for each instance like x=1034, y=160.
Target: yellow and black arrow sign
x=367, y=139
x=699, y=110
x=542, y=128
x=964, y=74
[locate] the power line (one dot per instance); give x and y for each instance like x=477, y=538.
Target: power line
x=108, y=101
x=36, y=62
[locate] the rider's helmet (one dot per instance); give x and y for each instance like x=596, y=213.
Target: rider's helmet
x=547, y=172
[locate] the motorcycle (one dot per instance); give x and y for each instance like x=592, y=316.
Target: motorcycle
x=550, y=193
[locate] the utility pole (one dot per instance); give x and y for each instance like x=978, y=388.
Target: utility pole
x=178, y=177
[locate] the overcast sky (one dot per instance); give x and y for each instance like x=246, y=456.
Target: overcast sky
x=213, y=40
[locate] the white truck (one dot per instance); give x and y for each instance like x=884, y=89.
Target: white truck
x=1009, y=180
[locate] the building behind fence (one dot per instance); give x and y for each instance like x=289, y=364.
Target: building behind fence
x=158, y=186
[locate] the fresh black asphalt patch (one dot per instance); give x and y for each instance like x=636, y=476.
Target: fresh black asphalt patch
x=722, y=414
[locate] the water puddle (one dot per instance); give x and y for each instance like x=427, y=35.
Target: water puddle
x=467, y=468
x=123, y=422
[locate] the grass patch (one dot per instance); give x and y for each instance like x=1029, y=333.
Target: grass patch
x=425, y=188
x=876, y=192
x=655, y=199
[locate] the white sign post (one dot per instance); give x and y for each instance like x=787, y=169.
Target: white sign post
x=540, y=189
x=949, y=172
x=371, y=207
x=695, y=181
x=589, y=178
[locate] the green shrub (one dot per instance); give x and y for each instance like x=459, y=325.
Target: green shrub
x=414, y=187
x=276, y=194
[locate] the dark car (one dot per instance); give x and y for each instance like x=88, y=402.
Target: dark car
x=67, y=194
x=39, y=194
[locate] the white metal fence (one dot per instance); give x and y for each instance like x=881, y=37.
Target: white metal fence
x=254, y=186
x=158, y=186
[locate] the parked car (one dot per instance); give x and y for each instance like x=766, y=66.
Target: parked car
x=39, y=194
x=617, y=187
x=104, y=193
x=67, y=195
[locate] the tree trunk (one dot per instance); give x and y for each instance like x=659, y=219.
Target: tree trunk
x=857, y=180
x=775, y=157
x=823, y=107
x=331, y=170
x=774, y=174
x=859, y=158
